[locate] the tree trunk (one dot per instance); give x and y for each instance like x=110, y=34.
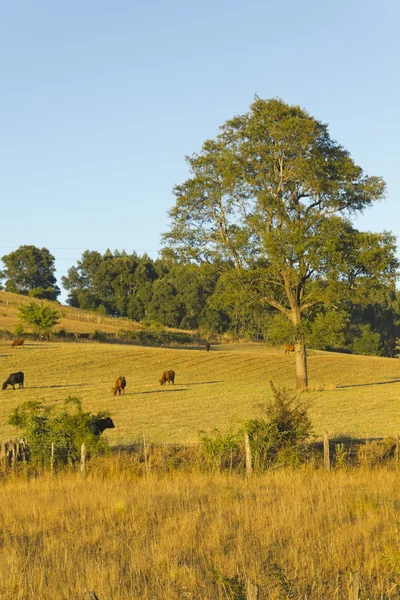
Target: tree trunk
x=301, y=366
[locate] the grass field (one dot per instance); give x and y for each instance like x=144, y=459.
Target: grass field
x=297, y=534
x=214, y=389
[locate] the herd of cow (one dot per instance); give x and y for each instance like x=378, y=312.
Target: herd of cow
x=120, y=384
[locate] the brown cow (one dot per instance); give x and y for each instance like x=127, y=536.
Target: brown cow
x=289, y=348
x=208, y=346
x=120, y=386
x=17, y=343
x=167, y=376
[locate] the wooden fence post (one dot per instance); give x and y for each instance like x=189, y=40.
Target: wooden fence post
x=83, y=458
x=52, y=458
x=327, y=460
x=354, y=591
x=145, y=452
x=251, y=590
x=249, y=465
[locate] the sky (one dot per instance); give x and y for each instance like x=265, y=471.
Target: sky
x=101, y=101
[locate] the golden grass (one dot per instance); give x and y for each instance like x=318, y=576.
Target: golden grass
x=74, y=320
x=297, y=534
x=212, y=389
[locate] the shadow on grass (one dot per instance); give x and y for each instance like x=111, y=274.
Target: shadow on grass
x=204, y=382
x=61, y=385
x=164, y=391
x=353, y=385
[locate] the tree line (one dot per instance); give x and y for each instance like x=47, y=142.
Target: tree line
x=260, y=243
x=203, y=296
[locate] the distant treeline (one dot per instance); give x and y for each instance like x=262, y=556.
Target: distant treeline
x=211, y=298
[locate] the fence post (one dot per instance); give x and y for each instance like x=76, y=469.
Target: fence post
x=249, y=466
x=83, y=458
x=52, y=458
x=354, y=591
x=145, y=452
x=251, y=590
x=397, y=451
x=327, y=460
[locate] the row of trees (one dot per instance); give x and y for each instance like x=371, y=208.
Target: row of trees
x=213, y=298
x=260, y=239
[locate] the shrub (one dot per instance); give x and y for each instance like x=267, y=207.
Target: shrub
x=67, y=430
x=220, y=448
x=282, y=438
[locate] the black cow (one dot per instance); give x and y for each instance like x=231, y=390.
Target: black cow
x=13, y=379
x=99, y=425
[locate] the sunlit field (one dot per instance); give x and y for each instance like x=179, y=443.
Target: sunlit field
x=297, y=534
x=354, y=395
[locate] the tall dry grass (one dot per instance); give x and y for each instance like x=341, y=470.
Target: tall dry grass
x=298, y=534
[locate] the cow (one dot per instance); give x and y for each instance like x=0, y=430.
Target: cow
x=289, y=348
x=119, y=386
x=208, y=346
x=99, y=425
x=167, y=376
x=13, y=379
x=17, y=343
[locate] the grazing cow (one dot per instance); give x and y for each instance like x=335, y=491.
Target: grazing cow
x=45, y=337
x=208, y=346
x=17, y=343
x=99, y=425
x=289, y=348
x=119, y=386
x=167, y=376
x=13, y=379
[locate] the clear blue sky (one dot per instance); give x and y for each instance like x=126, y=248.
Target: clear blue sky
x=101, y=101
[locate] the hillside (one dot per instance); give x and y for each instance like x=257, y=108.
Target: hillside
x=72, y=320
x=214, y=389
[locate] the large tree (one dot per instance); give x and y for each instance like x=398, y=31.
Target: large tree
x=273, y=196
x=30, y=269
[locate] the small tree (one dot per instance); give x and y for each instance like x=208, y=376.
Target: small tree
x=41, y=317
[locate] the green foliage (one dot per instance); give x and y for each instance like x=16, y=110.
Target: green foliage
x=29, y=268
x=220, y=448
x=41, y=426
x=328, y=330
x=282, y=438
x=272, y=196
x=40, y=316
x=99, y=336
x=18, y=330
x=44, y=294
x=279, y=330
x=368, y=342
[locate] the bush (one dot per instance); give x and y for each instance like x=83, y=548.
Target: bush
x=67, y=430
x=283, y=437
x=99, y=336
x=220, y=449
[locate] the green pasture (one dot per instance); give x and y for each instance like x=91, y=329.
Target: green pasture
x=355, y=395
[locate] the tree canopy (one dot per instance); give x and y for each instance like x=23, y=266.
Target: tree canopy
x=273, y=197
x=30, y=269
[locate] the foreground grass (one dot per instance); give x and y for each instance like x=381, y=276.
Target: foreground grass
x=212, y=389
x=297, y=534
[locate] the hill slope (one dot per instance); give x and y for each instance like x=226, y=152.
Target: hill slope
x=213, y=389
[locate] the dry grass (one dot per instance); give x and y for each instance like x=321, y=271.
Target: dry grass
x=212, y=389
x=354, y=395
x=73, y=320
x=297, y=534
